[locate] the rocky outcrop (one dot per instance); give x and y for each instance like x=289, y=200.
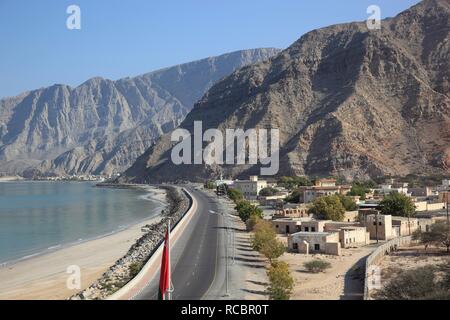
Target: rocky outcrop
x=102, y=126
x=348, y=101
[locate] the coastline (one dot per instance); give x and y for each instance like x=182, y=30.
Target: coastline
x=43, y=275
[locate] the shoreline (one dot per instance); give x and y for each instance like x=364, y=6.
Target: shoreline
x=151, y=194
x=94, y=256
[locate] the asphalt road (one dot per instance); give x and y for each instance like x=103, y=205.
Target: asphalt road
x=197, y=256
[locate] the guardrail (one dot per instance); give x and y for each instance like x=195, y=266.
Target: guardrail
x=377, y=254
x=151, y=267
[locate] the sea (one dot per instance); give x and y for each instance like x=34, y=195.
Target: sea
x=41, y=216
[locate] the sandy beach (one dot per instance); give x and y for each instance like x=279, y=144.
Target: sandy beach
x=44, y=276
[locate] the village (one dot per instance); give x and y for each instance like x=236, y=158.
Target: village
x=354, y=226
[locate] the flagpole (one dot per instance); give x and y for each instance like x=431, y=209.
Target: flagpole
x=169, y=292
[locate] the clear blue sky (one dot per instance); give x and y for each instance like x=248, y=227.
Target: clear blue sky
x=126, y=38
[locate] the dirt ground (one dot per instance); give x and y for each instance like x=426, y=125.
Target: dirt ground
x=343, y=281
x=410, y=257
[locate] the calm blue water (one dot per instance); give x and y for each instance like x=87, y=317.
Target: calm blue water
x=40, y=216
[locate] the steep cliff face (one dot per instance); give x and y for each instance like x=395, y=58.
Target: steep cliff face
x=102, y=126
x=348, y=101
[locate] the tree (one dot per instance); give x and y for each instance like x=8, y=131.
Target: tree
x=235, y=195
x=438, y=235
x=441, y=232
x=273, y=249
x=316, y=266
x=281, y=282
x=264, y=233
x=245, y=210
x=251, y=222
x=294, y=197
x=268, y=191
x=210, y=185
x=348, y=203
x=328, y=207
x=397, y=204
x=291, y=183
x=415, y=284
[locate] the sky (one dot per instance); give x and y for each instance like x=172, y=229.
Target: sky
x=127, y=38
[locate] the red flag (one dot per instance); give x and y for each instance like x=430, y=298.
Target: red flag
x=164, y=277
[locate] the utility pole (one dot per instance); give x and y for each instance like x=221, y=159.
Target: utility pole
x=376, y=225
x=446, y=204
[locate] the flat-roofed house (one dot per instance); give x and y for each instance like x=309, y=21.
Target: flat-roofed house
x=323, y=187
x=314, y=225
x=351, y=234
x=315, y=242
x=292, y=211
x=250, y=188
x=404, y=225
x=379, y=226
x=286, y=225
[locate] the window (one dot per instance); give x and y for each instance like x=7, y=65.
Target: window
x=306, y=229
x=379, y=223
x=313, y=229
x=317, y=247
x=295, y=246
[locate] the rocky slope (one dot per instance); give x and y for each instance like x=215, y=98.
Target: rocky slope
x=348, y=101
x=102, y=126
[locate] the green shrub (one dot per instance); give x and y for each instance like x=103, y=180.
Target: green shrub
x=316, y=266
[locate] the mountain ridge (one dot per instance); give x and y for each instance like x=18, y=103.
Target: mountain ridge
x=101, y=126
x=348, y=101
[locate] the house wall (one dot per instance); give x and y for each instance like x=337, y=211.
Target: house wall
x=350, y=216
x=295, y=241
x=384, y=226
x=286, y=226
x=314, y=225
x=354, y=237
x=404, y=226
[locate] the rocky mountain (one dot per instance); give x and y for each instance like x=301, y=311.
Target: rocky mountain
x=347, y=100
x=102, y=126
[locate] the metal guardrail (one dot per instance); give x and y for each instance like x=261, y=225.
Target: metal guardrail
x=378, y=254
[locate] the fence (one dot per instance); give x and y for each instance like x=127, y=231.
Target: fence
x=378, y=254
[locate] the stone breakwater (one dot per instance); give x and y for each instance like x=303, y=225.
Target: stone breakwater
x=127, y=267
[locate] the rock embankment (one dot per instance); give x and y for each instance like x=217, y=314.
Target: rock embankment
x=129, y=265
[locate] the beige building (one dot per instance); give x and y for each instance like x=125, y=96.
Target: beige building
x=424, y=224
x=315, y=242
x=379, y=225
x=287, y=225
x=351, y=216
x=323, y=187
x=426, y=206
x=292, y=211
x=403, y=226
x=314, y=225
x=272, y=200
x=250, y=188
x=353, y=236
